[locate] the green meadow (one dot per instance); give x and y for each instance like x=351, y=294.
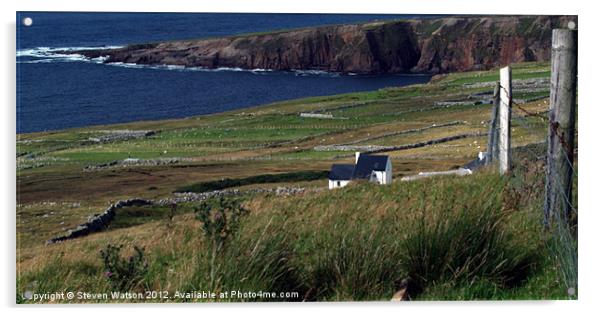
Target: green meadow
x=473, y=237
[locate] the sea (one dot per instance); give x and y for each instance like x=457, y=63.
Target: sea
x=57, y=91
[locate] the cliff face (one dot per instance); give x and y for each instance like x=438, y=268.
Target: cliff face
x=425, y=46
x=390, y=47
x=462, y=44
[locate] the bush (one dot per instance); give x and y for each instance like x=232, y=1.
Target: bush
x=256, y=260
x=221, y=219
x=123, y=274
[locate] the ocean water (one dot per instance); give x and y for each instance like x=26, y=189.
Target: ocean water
x=57, y=91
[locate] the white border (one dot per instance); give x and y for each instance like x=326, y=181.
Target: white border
x=589, y=76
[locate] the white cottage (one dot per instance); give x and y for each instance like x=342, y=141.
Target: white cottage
x=377, y=169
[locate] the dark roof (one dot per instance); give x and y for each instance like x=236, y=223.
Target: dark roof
x=368, y=163
x=341, y=172
x=474, y=165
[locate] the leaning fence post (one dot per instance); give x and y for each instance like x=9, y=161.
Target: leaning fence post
x=505, y=118
x=561, y=131
x=493, y=137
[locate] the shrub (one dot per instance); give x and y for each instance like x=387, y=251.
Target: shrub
x=123, y=274
x=173, y=210
x=242, y=257
x=221, y=219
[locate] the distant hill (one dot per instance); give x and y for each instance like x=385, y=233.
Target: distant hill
x=422, y=46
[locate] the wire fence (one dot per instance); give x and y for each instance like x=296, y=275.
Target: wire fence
x=533, y=181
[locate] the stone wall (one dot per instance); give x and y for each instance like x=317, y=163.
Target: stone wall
x=100, y=221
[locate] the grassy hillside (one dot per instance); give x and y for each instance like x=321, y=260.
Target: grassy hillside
x=357, y=243
x=457, y=238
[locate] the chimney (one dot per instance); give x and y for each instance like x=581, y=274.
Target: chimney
x=357, y=156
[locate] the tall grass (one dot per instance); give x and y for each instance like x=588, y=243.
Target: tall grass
x=358, y=243
x=526, y=191
x=61, y=275
x=249, y=266
x=563, y=246
x=466, y=247
x=232, y=261
x=353, y=266
x=454, y=238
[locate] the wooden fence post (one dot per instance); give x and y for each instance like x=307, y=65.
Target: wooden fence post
x=561, y=132
x=493, y=137
x=505, y=118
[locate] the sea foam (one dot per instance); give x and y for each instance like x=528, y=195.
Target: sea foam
x=57, y=54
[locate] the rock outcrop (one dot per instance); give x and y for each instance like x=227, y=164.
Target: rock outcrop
x=420, y=46
x=463, y=44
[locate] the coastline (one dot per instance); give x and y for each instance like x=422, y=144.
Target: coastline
x=152, y=94
x=435, y=46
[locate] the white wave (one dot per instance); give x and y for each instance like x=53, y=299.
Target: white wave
x=175, y=67
x=315, y=73
x=132, y=65
x=33, y=52
x=261, y=70
x=88, y=48
x=185, y=68
x=57, y=53
x=36, y=61
x=99, y=60
x=138, y=66
x=229, y=69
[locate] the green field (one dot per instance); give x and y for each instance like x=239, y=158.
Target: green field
x=351, y=244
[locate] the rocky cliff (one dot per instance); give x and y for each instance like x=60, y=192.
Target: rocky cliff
x=462, y=44
x=422, y=46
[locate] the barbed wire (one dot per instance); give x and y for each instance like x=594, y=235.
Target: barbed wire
x=562, y=244
x=525, y=124
x=555, y=177
x=529, y=113
x=553, y=181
